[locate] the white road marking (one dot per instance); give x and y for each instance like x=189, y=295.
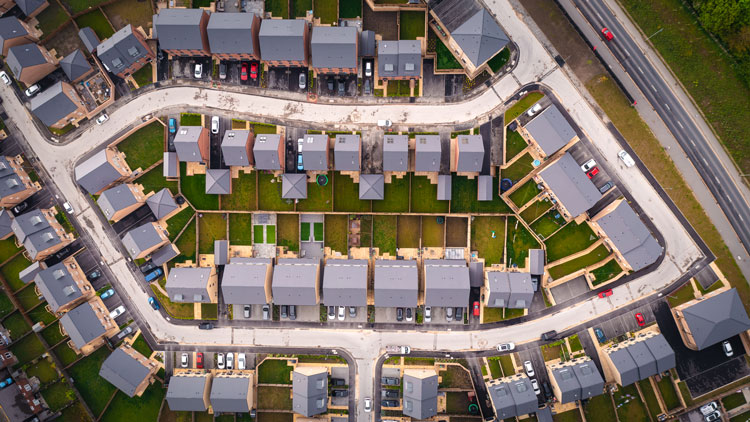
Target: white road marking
x=692, y=143
x=679, y=123
x=704, y=161
x=640, y=70
x=667, y=106
x=653, y=87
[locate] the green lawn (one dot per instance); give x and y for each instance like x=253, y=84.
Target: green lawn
x=384, y=233
x=525, y=193
x=519, y=242
x=44, y=369
x=144, y=76
x=499, y=60
x=569, y=416
x=240, y=229
x=575, y=343
x=58, y=395
x=569, y=240
x=269, y=194
x=17, y=325
x=12, y=268
x=144, y=147
x=576, y=264
x=154, y=181
x=300, y=8
x=319, y=198
x=652, y=403
x=396, y=196
x=507, y=365
x=599, y=408
x=40, y=314
x=304, y=229
x=535, y=210
x=96, y=20
x=27, y=349
x=606, y=272
x=65, y=354
x=346, y=195
x=144, y=408
x=632, y=411
x=411, y=25
x=326, y=10
x=494, y=363
x=134, y=12
x=177, y=222
x=81, y=5
x=456, y=403
x=288, y=230
x=742, y=417
x=522, y=105
x=271, y=234
x=51, y=18
x=142, y=347
x=668, y=393
x=464, y=197
x=424, y=197
x=193, y=188
x=27, y=297
x=190, y=119
x=8, y=248
x=514, y=144
x=209, y=311
x=211, y=227
x=445, y=59
x=398, y=88
x=243, y=195
x=186, y=243
x=433, y=233
x=258, y=232
x=365, y=231
x=175, y=310
x=408, y=235
x=520, y=168
x=489, y=248
x=733, y=400
x=548, y=224
x=6, y=306
x=274, y=371
x=278, y=398
x=262, y=128
x=52, y=334
x=94, y=389
x=350, y=9
x=336, y=232
x=682, y=295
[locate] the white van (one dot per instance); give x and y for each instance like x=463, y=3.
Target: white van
x=626, y=158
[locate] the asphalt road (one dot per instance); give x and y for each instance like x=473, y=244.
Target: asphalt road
x=675, y=117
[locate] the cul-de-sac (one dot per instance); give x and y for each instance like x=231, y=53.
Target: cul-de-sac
x=374, y=210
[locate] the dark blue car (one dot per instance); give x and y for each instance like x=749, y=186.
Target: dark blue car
x=153, y=275
x=172, y=125
x=600, y=335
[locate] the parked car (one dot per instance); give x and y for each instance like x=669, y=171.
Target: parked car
x=368, y=404
x=342, y=87
x=427, y=313
x=342, y=313
x=220, y=360
x=205, y=326
x=605, y=187
x=284, y=311
x=368, y=87
x=64, y=253
x=605, y=293
x=600, y=335
x=409, y=315
x=199, y=360
x=368, y=68
x=607, y=34
x=458, y=314
x=292, y=312
x=153, y=275
x=266, y=312
x=154, y=304
x=243, y=72
x=588, y=165
x=300, y=166
x=4, y=76
x=640, y=320
x=390, y=381
x=389, y=403
x=352, y=312
x=253, y=70
x=329, y=83
x=709, y=408
x=331, y=313
x=593, y=172
x=727, y=347
x=230, y=360
x=101, y=119
x=534, y=110
x=198, y=71
x=246, y=311
x=340, y=393
x=184, y=360
x=222, y=71
x=529, y=368
x=385, y=123
x=172, y=125
x=399, y=314
x=68, y=208
x=107, y=294
x=475, y=308
x=117, y=312
x=241, y=361
x=506, y=347
x=7, y=382
x=715, y=416
x=549, y=335
x=547, y=389
x=32, y=90
x=337, y=382
x=448, y=314
x=215, y=124
x=626, y=158
x=93, y=275
x=302, y=80
x=125, y=332
x=18, y=209
x=535, y=386
x=389, y=393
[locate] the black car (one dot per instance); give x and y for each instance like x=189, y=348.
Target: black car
x=93, y=275
x=388, y=393
x=390, y=381
x=330, y=83
x=458, y=315
x=399, y=314
x=389, y=403
x=337, y=382
x=18, y=209
x=549, y=335
x=63, y=253
x=147, y=266
x=547, y=389
x=205, y=326
x=408, y=314
x=605, y=187
x=340, y=393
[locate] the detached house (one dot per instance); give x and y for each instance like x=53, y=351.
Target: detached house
x=14, y=32
x=31, y=8
x=128, y=370
x=182, y=32
x=573, y=190
x=102, y=170
x=88, y=326
x=315, y=152
x=125, y=52
x=30, y=62
x=40, y=233
x=192, y=144
x=234, y=36
x=427, y=153
x=58, y=106
x=469, y=153
x=145, y=239
x=193, y=285
x=285, y=42
x=714, y=318
x=334, y=49
x=15, y=184
x=64, y=285
x=121, y=200
x=236, y=148
x=395, y=153
x=268, y=151
x=347, y=153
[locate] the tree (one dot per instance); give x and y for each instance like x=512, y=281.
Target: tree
x=724, y=17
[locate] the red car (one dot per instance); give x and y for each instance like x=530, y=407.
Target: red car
x=605, y=293
x=254, y=70
x=608, y=35
x=640, y=320
x=199, y=360
x=243, y=72
x=593, y=172
x=476, y=308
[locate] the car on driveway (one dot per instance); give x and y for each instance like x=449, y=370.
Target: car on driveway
x=107, y=294
x=153, y=275
x=241, y=361
x=640, y=320
x=727, y=347
x=32, y=90
x=709, y=408
x=230, y=360
x=246, y=311
x=427, y=313
x=368, y=87
x=302, y=80
x=529, y=368
x=266, y=312
x=146, y=267
x=243, y=72
x=199, y=360
x=68, y=208
x=337, y=382
x=329, y=83
x=600, y=335
x=607, y=34
x=588, y=165
x=93, y=275
x=172, y=125
x=331, y=313
x=18, y=209
x=4, y=76
x=220, y=360
x=408, y=314
x=184, y=360
x=389, y=403
x=605, y=187
x=399, y=314
x=342, y=87
x=535, y=387
x=390, y=381
x=340, y=393
x=534, y=110
x=117, y=312
x=715, y=416
x=593, y=172
x=222, y=71
x=254, y=70
x=605, y=293
x=475, y=307
x=342, y=313
x=389, y=393
x=215, y=125
x=198, y=71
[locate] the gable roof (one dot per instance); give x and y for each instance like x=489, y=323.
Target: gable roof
x=234, y=144
x=121, y=50
x=588, y=376
x=334, y=47
x=161, y=203
x=662, y=352
x=624, y=365
x=189, y=284
x=402, y=58
x=570, y=389
x=75, y=65
x=243, y=281
x=346, y=153
x=89, y=38
x=57, y=286
x=179, y=29
x=123, y=371
x=6, y=221
x=52, y=104
x=24, y=56
x=28, y=7
x=294, y=186
x=480, y=37
x=186, y=143
x=446, y=282
x=185, y=392
x=141, y=239
x=315, y=152
x=367, y=43
x=29, y=223
x=570, y=185
x=231, y=33
x=509, y=289
x=396, y=283
x=395, y=153
x=470, y=153
x=427, y=153
x=115, y=199
x=218, y=181
x=95, y=173
x=295, y=281
x=371, y=186
x=266, y=151
x=164, y=254
x=716, y=318
x=550, y=130
x=230, y=393
x=630, y=236
x=282, y=39
x=345, y=282
x=82, y=325
x=11, y=28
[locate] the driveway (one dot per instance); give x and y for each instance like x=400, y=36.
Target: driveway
x=434, y=85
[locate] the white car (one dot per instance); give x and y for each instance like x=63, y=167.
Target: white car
x=529, y=368
x=198, y=71
x=534, y=110
x=220, y=360
x=715, y=416
x=101, y=119
x=505, y=347
x=368, y=404
x=727, y=347
x=32, y=90
x=184, y=360
x=588, y=165
x=709, y=408
x=117, y=312
x=626, y=158
x=215, y=125
x=368, y=69
x=385, y=123
x=535, y=386
x=240, y=361
x=230, y=361
x=342, y=313
x=68, y=207
x=4, y=76
x=427, y=311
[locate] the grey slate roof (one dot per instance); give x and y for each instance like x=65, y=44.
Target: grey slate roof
x=643, y=359
x=188, y=284
x=218, y=181
x=470, y=153
x=282, y=39
x=294, y=186
x=161, y=203
x=230, y=394
x=445, y=187
x=502, y=400
x=29, y=6
x=315, y=152
x=234, y=143
x=309, y=392
x=124, y=372
x=446, y=282
x=334, y=47
x=662, y=352
x=24, y=56
x=570, y=185
x=164, y=254
x=371, y=186
x=221, y=252
x=179, y=29
x=75, y=65
x=570, y=389
x=121, y=50
x=346, y=153
x=35, y=233
x=631, y=237
x=231, y=33
x=591, y=381
x=420, y=396
x=10, y=182
x=243, y=281
x=345, y=282
x=395, y=152
x=509, y=289
x=57, y=286
x=114, y=199
x=266, y=152
x=89, y=38
x=550, y=130
x=536, y=261
x=427, y=153
x=484, y=188
x=10, y=28
x=185, y=393
x=716, y=319
x=476, y=274
x=28, y=273
x=95, y=173
x=396, y=283
x=524, y=398
x=294, y=281
x=480, y=37
x=186, y=143
x=140, y=239
x=82, y=325
x=6, y=219
x=52, y=105
x=171, y=167
x=401, y=58
x=367, y=43
x=625, y=366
